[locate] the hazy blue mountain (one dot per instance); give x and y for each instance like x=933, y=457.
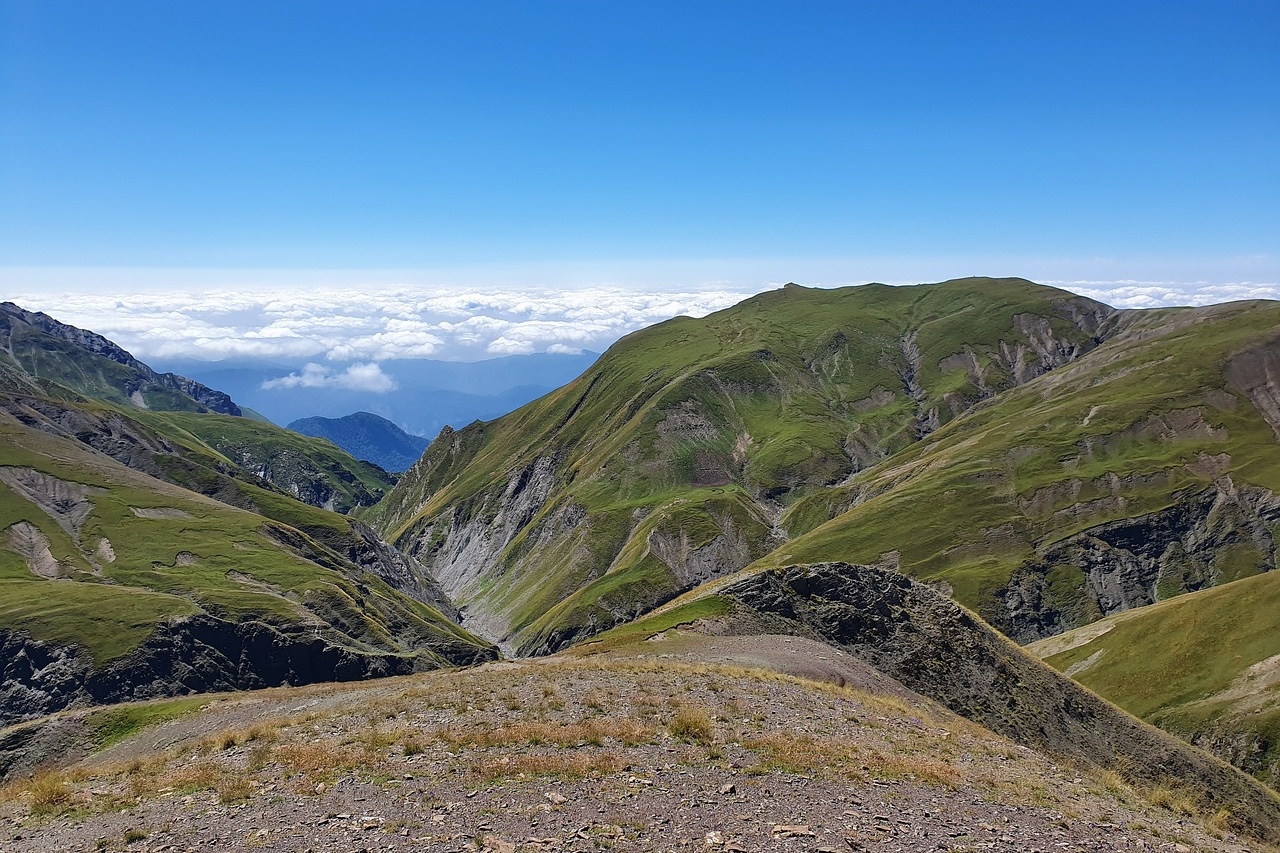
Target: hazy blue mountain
x=428, y=394
x=366, y=436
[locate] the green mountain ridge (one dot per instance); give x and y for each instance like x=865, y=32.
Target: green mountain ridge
x=44, y=351
x=149, y=552
x=698, y=447
x=1041, y=458
x=48, y=361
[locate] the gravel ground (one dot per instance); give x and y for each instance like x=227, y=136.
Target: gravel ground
x=708, y=744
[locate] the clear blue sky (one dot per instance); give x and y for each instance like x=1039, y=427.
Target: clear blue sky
x=424, y=134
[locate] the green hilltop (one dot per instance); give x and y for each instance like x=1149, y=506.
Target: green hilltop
x=1042, y=458
x=693, y=447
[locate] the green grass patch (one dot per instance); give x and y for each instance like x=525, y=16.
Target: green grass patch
x=1182, y=650
x=118, y=722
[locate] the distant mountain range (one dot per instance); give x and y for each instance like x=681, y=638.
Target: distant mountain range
x=369, y=437
x=428, y=394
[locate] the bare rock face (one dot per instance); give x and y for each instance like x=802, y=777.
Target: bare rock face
x=460, y=543
x=402, y=571
x=931, y=645
x=1256, y=373
x=1208, y=537
x=696, y=564
x=199, y=654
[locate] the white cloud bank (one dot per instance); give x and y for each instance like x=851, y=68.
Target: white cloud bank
x=357, y=377
x=354, y=328
x=1163, y=294
x=369, y=325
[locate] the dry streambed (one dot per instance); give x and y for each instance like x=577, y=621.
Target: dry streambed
x=646, y=753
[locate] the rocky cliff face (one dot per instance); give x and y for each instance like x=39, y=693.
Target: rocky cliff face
x=1207, y=537
x=332, y=488
x=912, y=633
x=196, y=655
x=468, y=538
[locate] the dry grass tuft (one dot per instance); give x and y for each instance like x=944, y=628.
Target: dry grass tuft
x=788, y=752
x=691, y=725
x=320, y=758
x=1174, y=799
x=194, y=777
x=592, y=732
x=233, y=788
x=49, y=794
x=803, y=753
x=917, y=768
x=568, y=765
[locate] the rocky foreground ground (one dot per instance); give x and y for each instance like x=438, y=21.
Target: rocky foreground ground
x=726, y=744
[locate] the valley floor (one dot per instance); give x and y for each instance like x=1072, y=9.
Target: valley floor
x=686, y=744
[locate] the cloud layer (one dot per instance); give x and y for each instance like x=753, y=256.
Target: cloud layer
x=368, y=326
x=357, y=377
x=343, y=332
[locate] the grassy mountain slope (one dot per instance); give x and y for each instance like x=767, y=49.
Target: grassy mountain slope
x=54, y=355
x=314, y=471
x=672, y=459
x=43, y=359
x=108, y=574
x=150, y=545
x=1203, y=666
x=1143, y=470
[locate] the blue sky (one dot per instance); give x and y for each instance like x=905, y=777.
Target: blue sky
x=642, y=144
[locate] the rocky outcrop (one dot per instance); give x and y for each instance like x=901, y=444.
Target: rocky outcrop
x=1256, y=373
x=934, y=647
x=333, y=488
x=404, y=572
x=210, y=398
x=925, y=419
x=695, y=564
x=196, y=655
x=1205, y=538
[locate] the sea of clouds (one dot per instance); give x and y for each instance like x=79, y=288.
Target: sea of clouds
x=344, y=334
x=338, y=335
